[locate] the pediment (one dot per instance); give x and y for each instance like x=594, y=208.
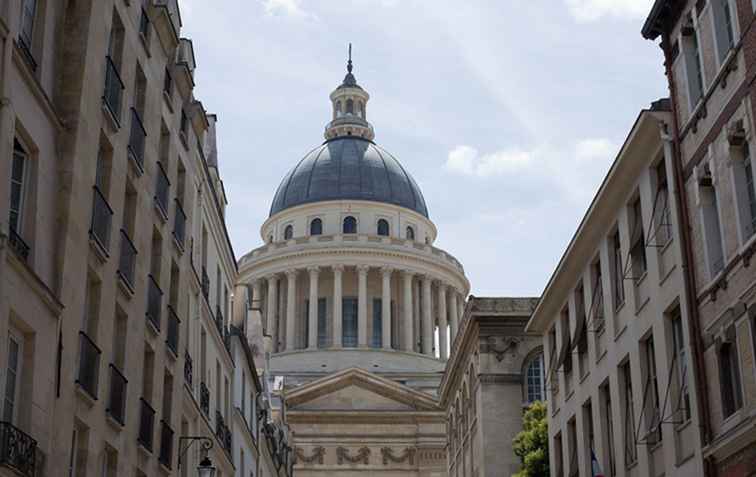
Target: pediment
x=358, y=390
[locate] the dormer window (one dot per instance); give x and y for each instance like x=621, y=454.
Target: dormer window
x=383, y=228
x=349, y=225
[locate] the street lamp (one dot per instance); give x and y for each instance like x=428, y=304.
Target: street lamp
x=205, y=468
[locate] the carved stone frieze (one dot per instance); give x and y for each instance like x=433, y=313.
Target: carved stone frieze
x=408, y=455
x=344, y=456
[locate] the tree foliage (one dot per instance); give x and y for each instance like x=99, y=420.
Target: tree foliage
x=532, y=444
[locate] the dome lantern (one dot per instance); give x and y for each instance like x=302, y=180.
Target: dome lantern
x=349, y=103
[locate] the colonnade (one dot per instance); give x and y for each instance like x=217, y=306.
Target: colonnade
x=434, y=308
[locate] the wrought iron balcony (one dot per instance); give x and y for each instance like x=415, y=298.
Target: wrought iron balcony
x=113, y=88
x=162, y=186
x=219, y=321
x=137, y=137
x=205, y=283
x=18, y=245
x=18, y=450
x=154, y=302
x=172, y=337
x=89, y=365
x=117, y=399
x=188, y=369
x=102, y=216
x=222, y=431
x=127, y=260
x=179, y=224
x=204, y=399
x=166, y=444
x=146, y=424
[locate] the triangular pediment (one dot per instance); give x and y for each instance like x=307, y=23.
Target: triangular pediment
x=355, y=389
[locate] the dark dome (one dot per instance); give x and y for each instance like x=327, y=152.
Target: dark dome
x=348, y=168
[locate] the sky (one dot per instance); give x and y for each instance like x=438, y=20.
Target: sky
x=508, y=113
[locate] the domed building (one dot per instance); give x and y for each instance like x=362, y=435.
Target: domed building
x=356, y=303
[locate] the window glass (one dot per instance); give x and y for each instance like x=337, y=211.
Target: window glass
x=350, y=225
x=383, y=228
x=288, y=232
x=534, y=380
x=11, y=380
x=18, y=169
x=349, y=327
x=316, y=227
x=28, y=12
x=377, y=340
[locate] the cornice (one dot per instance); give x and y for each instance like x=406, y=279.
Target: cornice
x=365, y=417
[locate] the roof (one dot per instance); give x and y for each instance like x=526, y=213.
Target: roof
x=349, y=168
x=663, y=12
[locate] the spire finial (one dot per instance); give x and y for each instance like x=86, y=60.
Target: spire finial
x=349, y=63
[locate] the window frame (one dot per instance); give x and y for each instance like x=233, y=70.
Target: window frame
x=540, y=380
x=288, y=233
x=352, y=220
x=16, y=337
x=319, y=222
x=19, y=151
x=409, y=233
x=380, y=225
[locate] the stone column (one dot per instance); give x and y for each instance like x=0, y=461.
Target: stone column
x=427, y=317
x=362, y=331
x=417, y=316
x=453, y=317
x=257, y=300
x=443, y=348
x=386, y=308
x=271, y=306
x=461, y=311
x=291, y=305
x=337, y=302
x=312, y=339
x=409, y=331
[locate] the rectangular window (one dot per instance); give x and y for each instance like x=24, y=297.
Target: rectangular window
x=729, y=373
x=661, y=213
x=28, y=15
x=18, y=187
x=618, y=286
x=12, y=377
x=711, y=222
x=723, y=27
x=120, y=332
x=692, y=57
x=572, y=447
x=110, y=462
x=652, y=411
x=148, y=367
x=606, y=403
x=637, y=241
x=682, y=405
x=349, y=327
x=628, y=424
x=322, y=324
x=581, y=331
x=589, y=435
x=558, y=459
x=745, y=191
x=377, y=334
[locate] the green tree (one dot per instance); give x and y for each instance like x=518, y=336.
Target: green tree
x=532, y=444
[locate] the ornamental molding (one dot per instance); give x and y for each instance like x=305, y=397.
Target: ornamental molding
x=317, y=456
x=408, y=455
x=502, y=347
x=343, y=456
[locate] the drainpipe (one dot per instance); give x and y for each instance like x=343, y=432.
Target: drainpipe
x=689, y=274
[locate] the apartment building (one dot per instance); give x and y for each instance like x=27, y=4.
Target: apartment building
x=616, y=325
x=710, y=56
x=116, y=270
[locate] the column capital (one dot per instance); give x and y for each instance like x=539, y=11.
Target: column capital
x=363, y=268
x=313, y=270
x=387, y=270
x=271, y=276
x=292, y=273
x=442, y=286
x=337, y=268
x=408, y=273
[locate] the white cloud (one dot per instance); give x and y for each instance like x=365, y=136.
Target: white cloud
x=592, y=149
x=468, y=161
x=284, y=7
x=592, y=10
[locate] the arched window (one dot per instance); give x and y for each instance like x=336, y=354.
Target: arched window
x=288, y=232
x=383, y=228
x=534, y=379
x=338, y=108
x=350, y=106
x=350, y=225
x=361, y=109
x=410, y=233
x=316, y=227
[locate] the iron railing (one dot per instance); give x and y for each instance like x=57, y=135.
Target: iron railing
x=222, y=431
x=166, y=444
x=219, y=321
x=137, y=138
x=113, y=88
x=146, y=424
x=127, y=260
x=179, y=224
x=204, y=399
x=18, y=450
x=188, y=369
x=102, y=216
x=117, y=400
x=162, y=185
x=172, y=335
x=205, y=284
x=18, y=245
x=89, y=365
x=154, y=301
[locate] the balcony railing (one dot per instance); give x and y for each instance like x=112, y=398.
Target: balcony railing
x=188, y=369
x=89, y=365
x=222, y=432
x=162, y=185
x=18, y=450
x=113, y=88
x=172, y=337
x=179, y=224
x=204, y=399
x=137, y=137
x=127, y=260
x=117, y=400
x=102, y=216
x=219, y=321
x=205, y=284
x=146, y=424
x=154, y=302
x=18, y=245
x=166, y=445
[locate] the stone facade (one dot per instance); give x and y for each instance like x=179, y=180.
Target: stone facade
x=713, y=107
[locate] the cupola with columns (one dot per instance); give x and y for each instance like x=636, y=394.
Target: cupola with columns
x=349, y=103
